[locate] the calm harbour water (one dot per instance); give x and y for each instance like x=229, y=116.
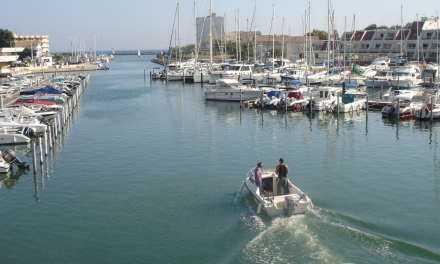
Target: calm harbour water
x=148, y=172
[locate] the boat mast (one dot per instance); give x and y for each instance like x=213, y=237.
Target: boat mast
x=305, y=38
x=310, y=36
x=418, y=42
x=195, y=33
x=273, y=38
x=178, y=26
x=282, y=45
x=224, y=41
x=438, y=64
x=94, y=46
x=401, y=33
x=288, y=54
x=236, y=42
x=345, y=40
x=255, y=33
x=220, y=48
x=210, y=34
x=328, y=38
x=239, y=34
x=247, y=39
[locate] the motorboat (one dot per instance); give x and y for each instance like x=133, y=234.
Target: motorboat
x=382, y=78
x=4, y=166
x=229, y=90
x=380, y=64
x=323, y=98
x=236, y=72
x=10, y=122
x=404, y=96
x=14, y=136
x=271, y=101
x=352, y=100
x=272, y=202
x=406, y=78
x=295, y=101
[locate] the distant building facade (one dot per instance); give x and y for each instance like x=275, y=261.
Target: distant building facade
x=202, y=24
x=244, y=35
x=420, y=40
x=26, y=41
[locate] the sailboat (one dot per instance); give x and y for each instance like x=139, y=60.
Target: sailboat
x=139, y=53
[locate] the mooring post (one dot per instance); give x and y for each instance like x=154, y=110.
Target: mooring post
x=45, y=143
x=381, y=91
x=398, y=108
x=50, y=137
x=310, y=103
x=366, y=108
x=59, y=123
x=398, y=82
x=34, y=157
x=201, y=76
x=337, y=102
x=285, y=100
x=41, y=150
x=1, y=101
x=241, y=99
x=432, y=108
x=55, y=127
x=144, y=74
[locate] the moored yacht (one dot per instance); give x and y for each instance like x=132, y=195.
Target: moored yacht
x=229, y=90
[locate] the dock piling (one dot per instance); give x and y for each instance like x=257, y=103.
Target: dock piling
x=34, y=157
x=201, y=76
x=285, y=100
x=381, y=90
x=432, y=108
x=50, y=137
x=1, y=101
x=366, y=108
x=241, y=98
x=41, y=150
x=45, y=143
x=398, y=108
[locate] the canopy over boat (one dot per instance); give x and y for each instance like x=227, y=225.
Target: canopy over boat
x=35, y=102
x=296, y=95
x=50, y=90
x=277, y=94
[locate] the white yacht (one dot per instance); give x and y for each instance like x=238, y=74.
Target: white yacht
x=14, y=136
x=406, y=77
x=352, y=100
x=272, y=202
x=404, y=96
x=380, y=64
x=381, y=78
x=323, y=98
x=229, y=90
x=236, y=72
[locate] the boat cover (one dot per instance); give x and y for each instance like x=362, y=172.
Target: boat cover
x=35, y=102
x=296, y=95
x=351, y=84
x=348, y=98
x=428, y=84
x=50, y=90
x=295, y=83
x=277, y=94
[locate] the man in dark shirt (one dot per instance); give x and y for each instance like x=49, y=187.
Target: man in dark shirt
x=282, y=170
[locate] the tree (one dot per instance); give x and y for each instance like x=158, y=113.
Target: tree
x=371, y=27
x=320, y=33
x=26, y=53
x=6, y=38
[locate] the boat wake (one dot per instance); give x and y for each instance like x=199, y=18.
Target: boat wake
x=320, y=236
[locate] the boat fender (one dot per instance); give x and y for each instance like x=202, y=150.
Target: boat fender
x=242, y=186
x=260, y=205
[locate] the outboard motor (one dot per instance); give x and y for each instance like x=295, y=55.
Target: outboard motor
x=43, y=120
x=27, y=131
x=10, y=157
x=290, y=205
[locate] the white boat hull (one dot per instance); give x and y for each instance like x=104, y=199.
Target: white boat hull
x=233, y=95
x=276, y=205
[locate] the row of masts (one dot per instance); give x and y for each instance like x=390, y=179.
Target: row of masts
x=307, y=52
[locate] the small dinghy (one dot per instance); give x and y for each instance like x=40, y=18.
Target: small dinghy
x=273, y=203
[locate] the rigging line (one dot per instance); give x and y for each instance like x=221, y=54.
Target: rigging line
x=270, y=35
x=171, y=39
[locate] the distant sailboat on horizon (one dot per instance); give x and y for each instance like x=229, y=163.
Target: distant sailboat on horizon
x=139, y=53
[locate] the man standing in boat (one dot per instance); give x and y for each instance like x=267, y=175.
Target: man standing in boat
x=259, y=178
x=282, y=170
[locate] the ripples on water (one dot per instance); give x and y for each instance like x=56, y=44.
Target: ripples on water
x=149, y=172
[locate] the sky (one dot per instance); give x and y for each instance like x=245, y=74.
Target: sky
x=133, y=24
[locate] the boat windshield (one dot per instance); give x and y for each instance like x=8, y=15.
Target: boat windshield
x=235, y=68
x=397, y=74
x=228, y=85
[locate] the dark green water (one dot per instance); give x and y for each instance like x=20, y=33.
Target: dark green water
x=149, y=173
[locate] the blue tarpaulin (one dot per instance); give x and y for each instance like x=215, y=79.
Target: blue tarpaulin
x=351, y=84
x=277, y=94
x=50, y=90
x=428, y=84
x=295, y=83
